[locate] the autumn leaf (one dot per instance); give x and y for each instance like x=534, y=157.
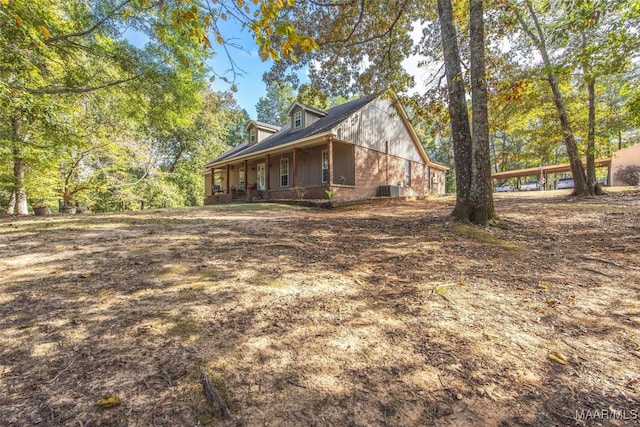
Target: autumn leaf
x=126, y=14
x=17, y=19
x=559, y=358
x=109, y=402
x=43, y=30
x=5, y=2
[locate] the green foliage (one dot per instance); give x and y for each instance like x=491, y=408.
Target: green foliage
x=273, y=108
x=98, y=121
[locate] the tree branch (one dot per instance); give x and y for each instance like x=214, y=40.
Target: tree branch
x=62, y=90
x=97, y=25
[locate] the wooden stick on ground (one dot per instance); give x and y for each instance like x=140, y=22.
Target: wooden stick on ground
x=213, y=395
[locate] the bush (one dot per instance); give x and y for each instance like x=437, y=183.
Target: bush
x=629, y=175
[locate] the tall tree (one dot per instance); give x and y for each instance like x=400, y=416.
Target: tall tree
x=538, y=37
x=49, y=49
x=604, y=42
x=481, y=197
x=362, y=50
x=273, y=108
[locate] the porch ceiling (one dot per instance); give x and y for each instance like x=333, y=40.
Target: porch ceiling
x=260, y=155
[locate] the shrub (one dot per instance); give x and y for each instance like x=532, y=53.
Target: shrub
x=629, y=175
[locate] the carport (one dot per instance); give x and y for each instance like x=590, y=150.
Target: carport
x=520, y=173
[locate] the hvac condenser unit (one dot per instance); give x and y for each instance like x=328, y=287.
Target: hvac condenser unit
x=388, y=191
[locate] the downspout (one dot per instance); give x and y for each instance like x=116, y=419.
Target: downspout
x=330, y=148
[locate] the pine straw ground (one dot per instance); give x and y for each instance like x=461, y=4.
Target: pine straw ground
x=382, y=314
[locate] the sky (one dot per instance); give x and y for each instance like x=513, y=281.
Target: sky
x=249, y=83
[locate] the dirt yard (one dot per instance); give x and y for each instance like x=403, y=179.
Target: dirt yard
x=373, y=315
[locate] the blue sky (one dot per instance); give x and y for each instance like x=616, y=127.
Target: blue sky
x=249, y=82
x=250, y=85
x=245, y=56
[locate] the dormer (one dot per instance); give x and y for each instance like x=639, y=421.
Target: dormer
x=258, y=131
x=303, y=116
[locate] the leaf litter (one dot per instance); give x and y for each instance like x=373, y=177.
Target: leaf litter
x=382, y=314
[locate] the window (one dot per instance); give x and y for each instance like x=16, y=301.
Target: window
x=325, y=166
x=297, y=119
x=407, y=173
x=252, y=136
x=284, y=172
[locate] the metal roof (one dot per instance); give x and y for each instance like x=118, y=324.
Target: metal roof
x=600, y=163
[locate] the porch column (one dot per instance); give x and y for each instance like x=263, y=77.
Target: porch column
x=246, y=174
x=213, y=181
x=295, y=167
x=330, y=150
x=268, y=172
x=227, y=179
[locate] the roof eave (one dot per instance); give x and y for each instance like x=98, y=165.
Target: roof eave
x=407, y=123
x=270, y=149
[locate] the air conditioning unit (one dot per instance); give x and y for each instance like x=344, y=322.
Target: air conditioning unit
x=388, y=191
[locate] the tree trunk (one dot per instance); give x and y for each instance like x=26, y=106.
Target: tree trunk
x=19, y=168
x=577, y=170
x=481, y=189
x=592, y=183
x=538, y=39
x=11, y=206
x=460, y=131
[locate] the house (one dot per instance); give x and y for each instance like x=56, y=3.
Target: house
x=620, y=159
x=358, y=150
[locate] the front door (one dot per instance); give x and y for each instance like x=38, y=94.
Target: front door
x=261, y=177
x=241, y=180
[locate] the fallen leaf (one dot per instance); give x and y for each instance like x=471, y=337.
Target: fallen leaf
x=559, y=358
x=489, y=334
x=543, y=287
x=109, y=402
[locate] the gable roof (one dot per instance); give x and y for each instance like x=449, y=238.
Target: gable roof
x=333, y=117
x=262, y=125
x=306, y=107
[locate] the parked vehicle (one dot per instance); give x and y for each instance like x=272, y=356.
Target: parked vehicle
x=565, y=183
x=530, y=186
x=505, y=188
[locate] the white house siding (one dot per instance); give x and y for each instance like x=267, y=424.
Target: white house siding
x=378, y=125
x=623, y=158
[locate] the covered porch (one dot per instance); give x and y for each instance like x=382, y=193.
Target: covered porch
x=300, y=172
